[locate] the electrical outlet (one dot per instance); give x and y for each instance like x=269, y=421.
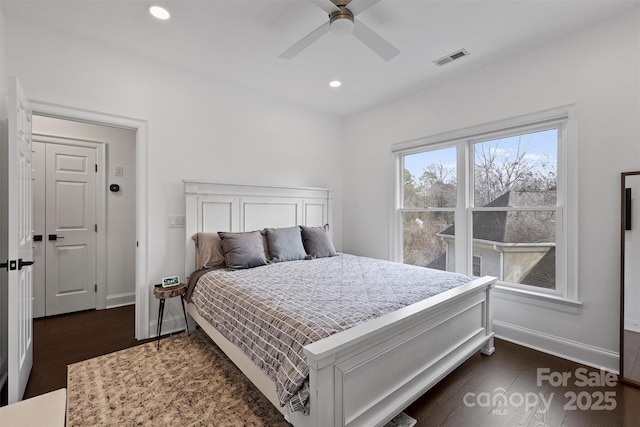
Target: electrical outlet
x=119, y=170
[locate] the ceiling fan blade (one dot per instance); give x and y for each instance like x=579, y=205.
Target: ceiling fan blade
x=359, y=6
x=306, y=41
x=325, y=5
x=374, y=41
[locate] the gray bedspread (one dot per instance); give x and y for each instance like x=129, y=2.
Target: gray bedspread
x=271, y=312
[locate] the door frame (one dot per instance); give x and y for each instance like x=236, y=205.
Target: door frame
x=42, y=108
x=101, y=206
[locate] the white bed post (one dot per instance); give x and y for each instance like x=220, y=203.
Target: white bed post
x=489, y=348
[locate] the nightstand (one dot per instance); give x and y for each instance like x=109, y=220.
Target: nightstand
x=162, y=294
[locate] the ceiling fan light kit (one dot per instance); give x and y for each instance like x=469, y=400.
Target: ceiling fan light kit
x=342, y=21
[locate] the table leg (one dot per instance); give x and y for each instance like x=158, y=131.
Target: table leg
x=160, y=315
x=186, y=322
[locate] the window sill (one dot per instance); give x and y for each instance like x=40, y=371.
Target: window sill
x=552, y=302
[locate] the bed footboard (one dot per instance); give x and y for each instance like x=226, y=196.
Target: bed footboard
x=366, y=375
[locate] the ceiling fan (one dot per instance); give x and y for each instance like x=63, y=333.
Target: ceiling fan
x=342, y=21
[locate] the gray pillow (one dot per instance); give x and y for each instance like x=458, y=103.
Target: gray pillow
x=317, y=241
x=285, y=244
x=208, y=251
x=243, y=250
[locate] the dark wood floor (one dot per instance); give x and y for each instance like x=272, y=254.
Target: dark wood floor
x=59, y=341
x=470, y=396
x=632, y=355
x=502, y=390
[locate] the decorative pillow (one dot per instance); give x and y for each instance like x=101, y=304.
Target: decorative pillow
x=285, y=244
x=208, y=251
x=243, y=250
x=317, y=241
x=265, y=245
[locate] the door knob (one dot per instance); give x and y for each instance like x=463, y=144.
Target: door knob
x=24, y=263
x=55, y=237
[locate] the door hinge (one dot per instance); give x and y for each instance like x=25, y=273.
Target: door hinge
x=96, y=227
x=137, y=244
x=95, y=288
x=96, y=167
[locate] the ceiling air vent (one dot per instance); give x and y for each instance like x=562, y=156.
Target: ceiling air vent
x=451, y=57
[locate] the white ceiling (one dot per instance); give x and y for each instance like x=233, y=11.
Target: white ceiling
x=240, y=40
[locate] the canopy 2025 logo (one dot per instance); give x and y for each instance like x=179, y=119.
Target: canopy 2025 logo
x=582, y=377
x=501, y=399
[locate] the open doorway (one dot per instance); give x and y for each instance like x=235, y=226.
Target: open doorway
x=84, y=216
x=142, y=297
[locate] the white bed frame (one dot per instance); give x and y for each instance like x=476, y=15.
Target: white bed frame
x=366, y=375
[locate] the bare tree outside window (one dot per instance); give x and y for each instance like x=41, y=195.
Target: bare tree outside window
x=512, y=164
x=432, y=184
x=438, y=185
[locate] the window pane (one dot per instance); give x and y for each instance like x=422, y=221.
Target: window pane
x=477, y=266
x=517, y=171
x=526, y=241
x=427, y=239
x=430, y=179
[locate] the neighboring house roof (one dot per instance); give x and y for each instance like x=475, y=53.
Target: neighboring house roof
x=515, y=226
x=543, y=274
x=439, y=263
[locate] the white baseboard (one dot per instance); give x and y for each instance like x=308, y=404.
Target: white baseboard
x=119, y=300
x=567, y=349
x=631, y=325
x=170, y=323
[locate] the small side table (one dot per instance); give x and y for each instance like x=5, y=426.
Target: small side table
x=170, y=292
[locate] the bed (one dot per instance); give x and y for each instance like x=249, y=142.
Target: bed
x=366, y=374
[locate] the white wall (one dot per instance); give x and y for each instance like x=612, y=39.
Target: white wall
x=598, y=69
x=120, y=207
x=198, y=128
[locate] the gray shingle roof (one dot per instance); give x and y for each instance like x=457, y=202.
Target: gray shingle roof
x=544, y=273
x=515, y=226
x=439, y=263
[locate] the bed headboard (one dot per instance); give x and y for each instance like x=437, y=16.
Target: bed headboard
x=211, y=207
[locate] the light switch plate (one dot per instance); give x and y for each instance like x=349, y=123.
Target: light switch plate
x=176, y=221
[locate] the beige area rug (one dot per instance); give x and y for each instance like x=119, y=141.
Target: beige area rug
x=188, y=382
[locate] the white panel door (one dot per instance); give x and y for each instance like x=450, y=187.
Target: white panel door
x=39, y=243
x=19, y=218
x=70, y=228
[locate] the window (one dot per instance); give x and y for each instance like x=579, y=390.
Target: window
x=429, y=200
x=477, y=266
x=514, y=205
x=499, y=190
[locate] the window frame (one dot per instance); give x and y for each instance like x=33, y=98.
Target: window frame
x=562, y=118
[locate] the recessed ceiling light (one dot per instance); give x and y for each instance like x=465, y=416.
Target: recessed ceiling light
x=159, y=12
x=335, y=83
